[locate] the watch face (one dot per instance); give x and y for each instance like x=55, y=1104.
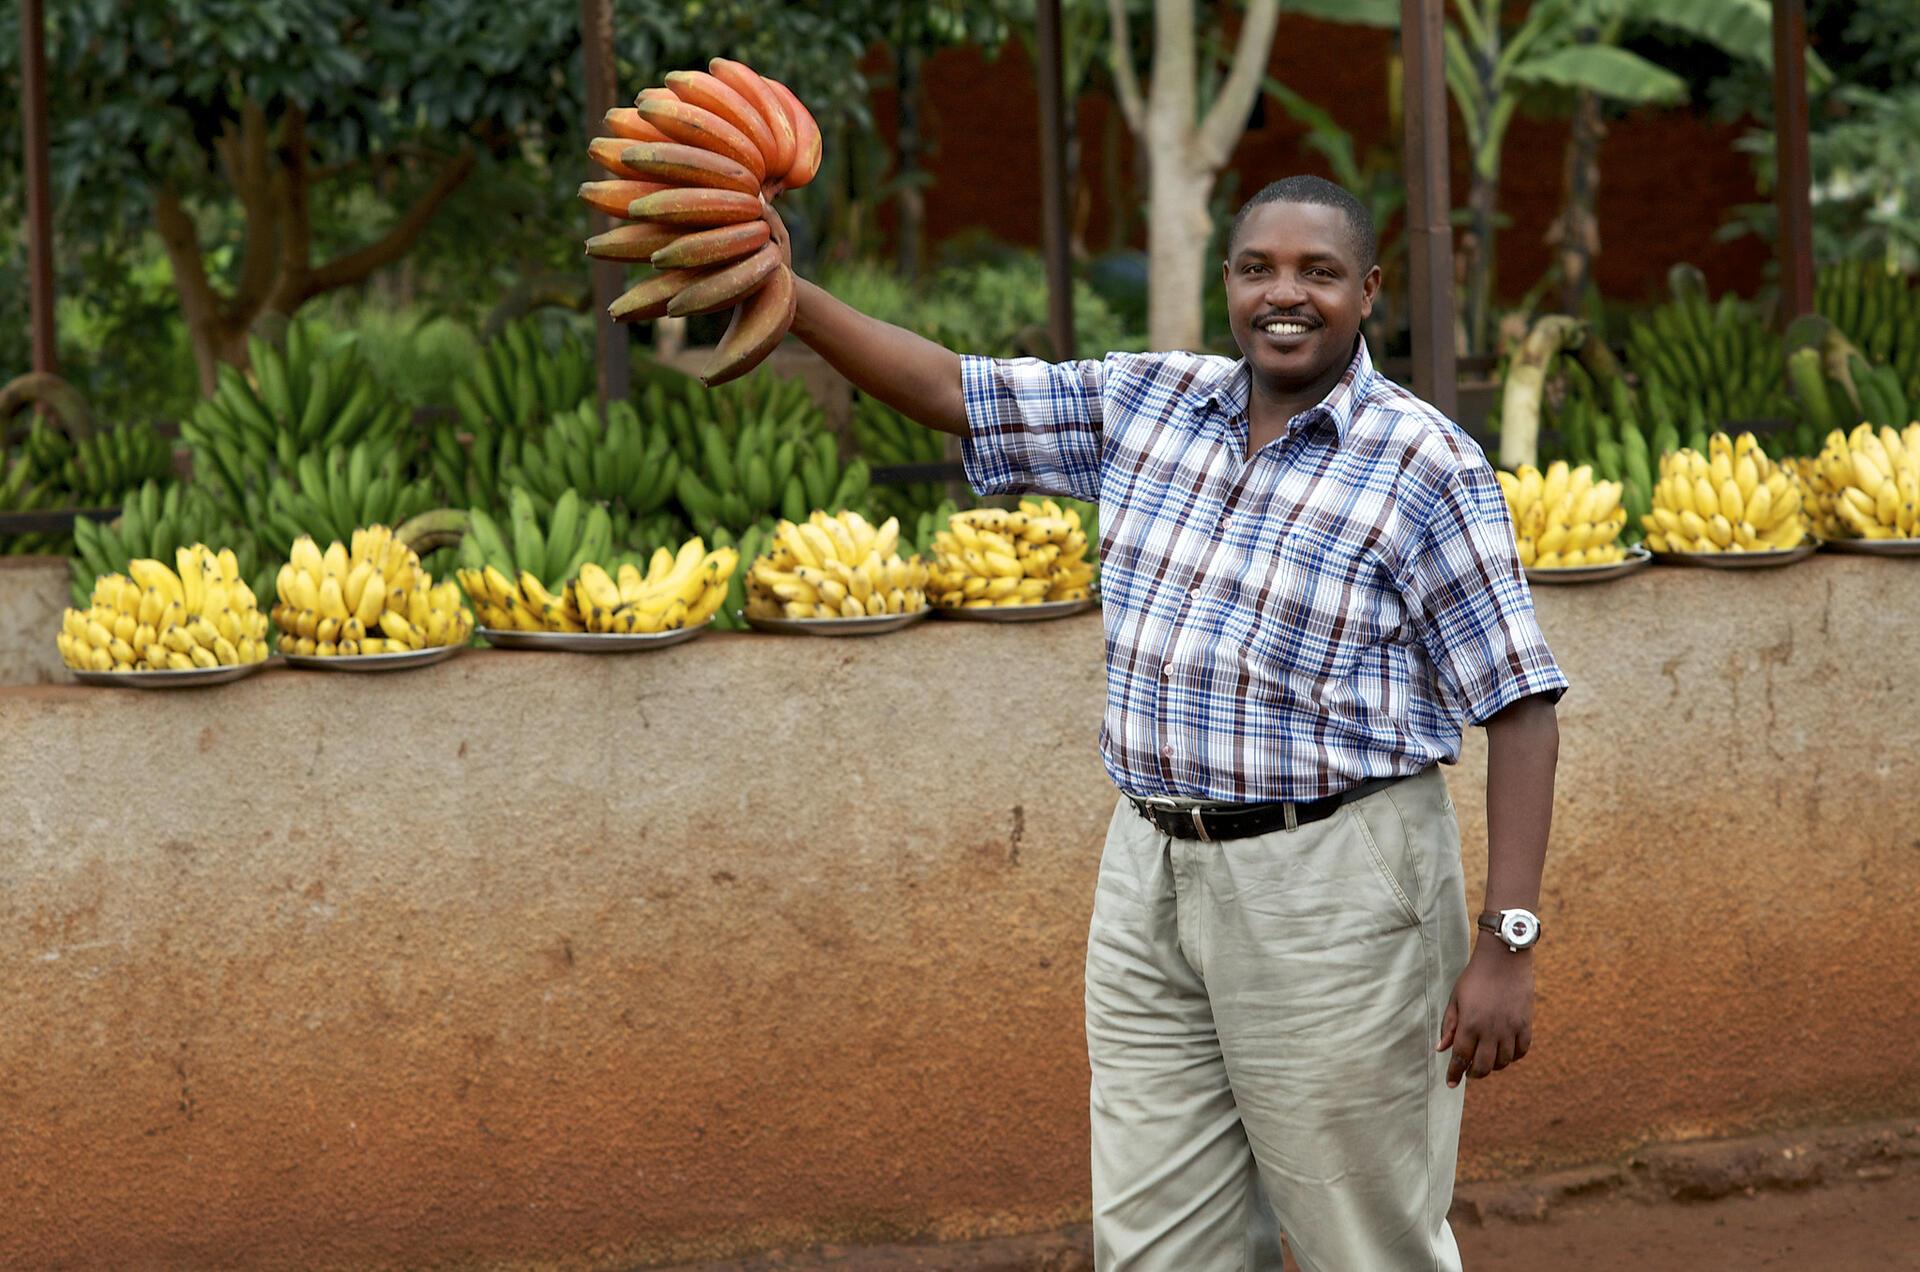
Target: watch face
x=1519, y=927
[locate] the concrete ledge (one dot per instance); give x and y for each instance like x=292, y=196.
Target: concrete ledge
x=33, y=592
x=538, y=960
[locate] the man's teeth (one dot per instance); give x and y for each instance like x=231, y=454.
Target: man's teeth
x=1282, y=328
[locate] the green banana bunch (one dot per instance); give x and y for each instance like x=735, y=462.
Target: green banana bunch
x=927, y=523
x=306, y=400
x=884, y=436
x=755, y=541
x=95, y=469
x=469, y=472
x=551, y=549
x=739, y=471
x=334, y=493
x=19, y=492
x=641, y=535
x=1618, y=436
x=519, y=380
x=1878, y=312
x=153, y=522
x=607, y=458
x=1720, y=354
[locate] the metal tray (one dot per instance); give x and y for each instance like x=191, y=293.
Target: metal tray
x=591, y=642
x=1019, y=613
x=1636, y=557
x=1739, y=560
x=871, y=625
x=375, y=662
x=1876, y=547
x=194, y=679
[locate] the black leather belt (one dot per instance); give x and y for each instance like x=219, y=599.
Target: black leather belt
x=1180, y=820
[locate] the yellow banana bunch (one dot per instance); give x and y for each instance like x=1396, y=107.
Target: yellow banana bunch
x=835, y=567
x=990, y=556
x=1732, y=499
x=198, y=614
x=1866, y=484
x=1563, y=517
x=676, y=590
x=366, y=597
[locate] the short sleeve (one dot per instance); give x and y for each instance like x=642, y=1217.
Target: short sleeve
x=1032, y=426
x=1466, y=591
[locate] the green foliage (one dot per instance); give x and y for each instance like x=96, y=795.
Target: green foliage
x=996, y=306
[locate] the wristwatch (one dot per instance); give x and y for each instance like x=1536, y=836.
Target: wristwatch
x=1519, y=929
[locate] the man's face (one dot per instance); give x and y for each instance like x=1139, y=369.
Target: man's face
x=1296, y=293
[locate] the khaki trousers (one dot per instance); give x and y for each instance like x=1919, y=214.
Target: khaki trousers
x=1261, y=1019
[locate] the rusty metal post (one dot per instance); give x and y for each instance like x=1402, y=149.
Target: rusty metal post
x=596, y=46
x=1053, y=176
x=1429, y=229
x=33, y=114
x=1793, y=189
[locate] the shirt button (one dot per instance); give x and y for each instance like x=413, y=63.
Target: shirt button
x=1166, y=752
x=1166, y=669
x=1224, y=521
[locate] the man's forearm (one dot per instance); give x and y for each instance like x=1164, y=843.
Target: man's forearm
x=1523, y=747
x=908, y=372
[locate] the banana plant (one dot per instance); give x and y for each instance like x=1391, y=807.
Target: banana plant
x=1565, y=52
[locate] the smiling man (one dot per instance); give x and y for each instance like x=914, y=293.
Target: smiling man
x=1310, y=589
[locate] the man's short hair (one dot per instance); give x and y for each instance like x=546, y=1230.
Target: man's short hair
x=1316, y=190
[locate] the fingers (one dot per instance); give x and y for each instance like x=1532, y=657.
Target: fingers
x=1503, y=1054
x=1484, y=1055
x=1461, y=1060
x=1447, y=1023
x=1524, y=1043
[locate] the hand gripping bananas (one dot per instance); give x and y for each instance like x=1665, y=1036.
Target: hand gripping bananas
x=1563, y=518
x=693, y=165
x=989, y=557
x=677, y=590
x=1866, y=484
x=835, y=567
x=199, y=614
x=369, y=596
x=1731, y=499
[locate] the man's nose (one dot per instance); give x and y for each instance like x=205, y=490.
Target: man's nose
x=1284, y=290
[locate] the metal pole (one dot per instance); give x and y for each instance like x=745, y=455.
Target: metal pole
x=33, y=93
x=1793, y=190
x=1053, y=177
x=1429, y=230
x=596, y=44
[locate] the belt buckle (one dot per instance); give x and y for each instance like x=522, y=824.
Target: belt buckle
x=1166, y=803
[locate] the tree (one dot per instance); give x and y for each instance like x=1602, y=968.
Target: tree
x=240, y=123
x=1560, y=52
x=1185, y=154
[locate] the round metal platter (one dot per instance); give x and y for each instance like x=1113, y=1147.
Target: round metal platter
x=1019, y=613
x=1636, y=557
x=194, y=679
x=1875, y=547
x=374, y=662
x=872, y=625
x=1739, y=560
x=591, y=642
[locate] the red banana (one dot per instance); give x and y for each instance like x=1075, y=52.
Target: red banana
x=700, y=248
x=648, y=298
x=695, y=205
x=758, y=326
x=698, y=88
x=605, y=151
x=696, y=126
x=806, y=155
x=719, y=288
x=625, y=121
x=635, y=242
x=676, y=164
x=747, y=82
x=615, y=197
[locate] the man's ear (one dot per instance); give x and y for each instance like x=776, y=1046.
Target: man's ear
x=1369, y=288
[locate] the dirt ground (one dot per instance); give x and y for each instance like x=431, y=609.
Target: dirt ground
x=1866, y=1226
x=1843, y=1199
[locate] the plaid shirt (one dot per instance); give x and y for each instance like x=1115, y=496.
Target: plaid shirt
x=1334, y=610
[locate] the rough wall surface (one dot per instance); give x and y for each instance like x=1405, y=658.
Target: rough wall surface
x=536, y=960
x=33, y=591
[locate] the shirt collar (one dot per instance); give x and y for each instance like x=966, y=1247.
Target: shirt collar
x=1229, y=393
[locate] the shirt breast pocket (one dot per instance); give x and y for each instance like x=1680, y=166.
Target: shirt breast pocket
x=1316, y=607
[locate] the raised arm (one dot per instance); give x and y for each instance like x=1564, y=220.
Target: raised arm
x=908, y=372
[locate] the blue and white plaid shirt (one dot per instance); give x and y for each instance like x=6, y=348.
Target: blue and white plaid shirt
x=1336, y=609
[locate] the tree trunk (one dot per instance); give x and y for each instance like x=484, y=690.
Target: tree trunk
x=1178, y=229
x=1575, y=236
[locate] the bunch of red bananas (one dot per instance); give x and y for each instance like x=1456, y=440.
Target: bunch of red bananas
x=695, y=164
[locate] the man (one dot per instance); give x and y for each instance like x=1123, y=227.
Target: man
x=1310, y=587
